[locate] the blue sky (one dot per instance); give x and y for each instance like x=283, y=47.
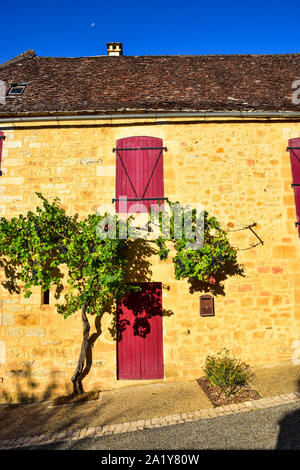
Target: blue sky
x=82, y=28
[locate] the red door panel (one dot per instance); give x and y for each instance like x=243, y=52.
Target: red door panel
x=140, y=340
x=129, y=358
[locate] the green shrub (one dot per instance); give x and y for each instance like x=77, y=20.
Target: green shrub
x=226, y=372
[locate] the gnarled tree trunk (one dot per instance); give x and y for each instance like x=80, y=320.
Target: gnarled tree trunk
x=76, y=379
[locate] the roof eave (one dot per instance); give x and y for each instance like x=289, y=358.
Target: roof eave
x=138, y=114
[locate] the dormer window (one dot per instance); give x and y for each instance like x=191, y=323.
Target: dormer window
x=16, y=90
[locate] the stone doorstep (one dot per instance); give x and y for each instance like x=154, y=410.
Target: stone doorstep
x=140, y=425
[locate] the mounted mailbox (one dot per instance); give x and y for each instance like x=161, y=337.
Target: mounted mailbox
x=207, y=308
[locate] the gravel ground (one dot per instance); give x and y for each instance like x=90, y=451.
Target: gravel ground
x=271, y=428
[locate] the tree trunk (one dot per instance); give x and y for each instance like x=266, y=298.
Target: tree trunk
x=77, y=385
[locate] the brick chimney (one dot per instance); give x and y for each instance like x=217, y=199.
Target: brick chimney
x=114, y=48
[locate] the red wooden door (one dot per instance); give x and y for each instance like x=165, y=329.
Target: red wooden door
x=140, y=340
x=294, y=149
x=139, y=173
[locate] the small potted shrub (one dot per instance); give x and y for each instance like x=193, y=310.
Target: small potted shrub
x=228, y=375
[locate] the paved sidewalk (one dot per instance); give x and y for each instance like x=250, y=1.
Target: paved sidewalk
x=137, y=408
x=94, y=432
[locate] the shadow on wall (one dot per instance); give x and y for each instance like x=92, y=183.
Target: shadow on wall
x=144, y=306
x=139, y=271
x=27, y=389
x=289, y=427
x=138, y=254
x=230, y=268
x=33, y=415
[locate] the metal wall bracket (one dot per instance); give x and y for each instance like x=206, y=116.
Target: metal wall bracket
x=140, y=148
x=142, y=199
x=250, y=227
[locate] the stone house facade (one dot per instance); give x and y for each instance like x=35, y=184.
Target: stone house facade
x=226, y=122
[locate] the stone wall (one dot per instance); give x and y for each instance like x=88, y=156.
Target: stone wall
x=240, y=172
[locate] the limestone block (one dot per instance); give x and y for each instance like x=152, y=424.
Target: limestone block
x=6, y=318
x=285, y=251
x=9, y=180
x=39, y=332
x=105, y=170
x=12, y=144
x=16, y=332
x=2, y=353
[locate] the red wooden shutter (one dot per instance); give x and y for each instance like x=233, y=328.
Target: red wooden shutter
x=1, y=143
x=294, y=149
x=127, y=169
x=140, y=340
x=139, y=173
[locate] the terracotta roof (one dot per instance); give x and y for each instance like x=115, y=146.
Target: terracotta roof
x=106, y=84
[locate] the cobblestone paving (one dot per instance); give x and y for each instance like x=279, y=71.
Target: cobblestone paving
x=140, y=425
